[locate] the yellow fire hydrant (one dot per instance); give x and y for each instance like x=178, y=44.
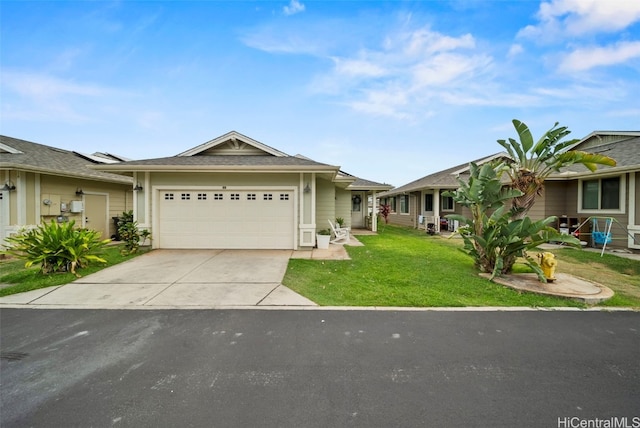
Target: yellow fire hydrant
x=548, y=264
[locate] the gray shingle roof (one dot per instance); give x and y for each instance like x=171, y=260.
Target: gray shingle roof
x=626, y=154
x=51, y=160
x=445, y=179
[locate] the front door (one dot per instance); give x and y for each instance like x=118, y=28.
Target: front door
x=358, y=209
x=96, y=214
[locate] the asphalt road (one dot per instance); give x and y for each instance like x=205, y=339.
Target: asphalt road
x=250, y=368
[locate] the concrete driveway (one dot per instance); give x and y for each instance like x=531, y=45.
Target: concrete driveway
x=177, y=278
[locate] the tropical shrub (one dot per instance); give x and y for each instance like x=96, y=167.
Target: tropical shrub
x=531, y=163
x=57, y=247
x=129, y=233
x=492, y=236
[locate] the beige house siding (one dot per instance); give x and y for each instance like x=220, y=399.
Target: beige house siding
x=553, y=201
x=325, y=203
x=63, y=190
x=27, y=207
x=343, y=206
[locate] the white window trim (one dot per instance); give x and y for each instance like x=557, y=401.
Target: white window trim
x=623, y=192
x=408, y=205
x=442, y=208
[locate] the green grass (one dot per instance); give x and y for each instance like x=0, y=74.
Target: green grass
x=404, y=267
x=12, y=271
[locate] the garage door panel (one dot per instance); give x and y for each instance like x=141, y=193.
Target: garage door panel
x=226, y=219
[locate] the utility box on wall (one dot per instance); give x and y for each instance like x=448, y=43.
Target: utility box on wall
x=76, y=206
x=50, y=204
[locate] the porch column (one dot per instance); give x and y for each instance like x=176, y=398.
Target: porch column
x=436, y=208
x=374, y=213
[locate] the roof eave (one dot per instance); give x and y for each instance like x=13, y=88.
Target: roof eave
x=48, y=171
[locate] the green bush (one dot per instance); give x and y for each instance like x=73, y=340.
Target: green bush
x=130, y=234
x=57, y=247
x=492, y=236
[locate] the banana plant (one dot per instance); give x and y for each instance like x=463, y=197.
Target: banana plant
x=492, y=237
x=532, y=162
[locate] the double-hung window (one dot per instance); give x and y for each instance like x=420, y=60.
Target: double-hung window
x=601, y=194
x=404, y=204
x=447, y=203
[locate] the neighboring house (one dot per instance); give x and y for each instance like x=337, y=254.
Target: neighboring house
x=235, y=192
x=40, y=183
x=577, y=196
x=422, y=202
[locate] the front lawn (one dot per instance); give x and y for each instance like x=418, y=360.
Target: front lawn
x=405, y=267
x=20, y=279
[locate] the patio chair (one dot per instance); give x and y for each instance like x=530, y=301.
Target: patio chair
x=340, y=233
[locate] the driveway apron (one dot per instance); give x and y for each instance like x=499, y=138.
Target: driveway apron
x=178, y=278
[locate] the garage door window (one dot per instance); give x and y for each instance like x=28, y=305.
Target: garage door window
x=284, y=197
x=202, y=196
x=267, y=197
x=218, y=197
x=235, y=196
x=185, y=196
x=168, y=196
x=251, y=196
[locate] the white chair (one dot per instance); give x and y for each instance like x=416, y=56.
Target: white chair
x=340, y=233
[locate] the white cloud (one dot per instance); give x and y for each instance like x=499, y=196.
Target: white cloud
x=515, y=50
x=586, y=58
x=410, y=70
x=294, y=7
x=560, y=18
x=41, y=86
x=358, y=67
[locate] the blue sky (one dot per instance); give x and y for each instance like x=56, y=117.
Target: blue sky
x=389, y=90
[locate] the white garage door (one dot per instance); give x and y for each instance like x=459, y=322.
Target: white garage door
x=247, y=219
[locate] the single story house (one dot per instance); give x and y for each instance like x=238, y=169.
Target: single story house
x=236, y=192
x=39, y=183
x=583, y=201
x=588, y=200
x=422, y=202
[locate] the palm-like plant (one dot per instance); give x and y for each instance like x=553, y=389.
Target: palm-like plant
x=531, y=163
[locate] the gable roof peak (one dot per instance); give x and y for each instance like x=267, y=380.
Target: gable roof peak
x=233, y=143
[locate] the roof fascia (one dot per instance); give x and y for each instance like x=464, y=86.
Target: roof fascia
x=214, y=168
x=572, y=175
x=230, y=136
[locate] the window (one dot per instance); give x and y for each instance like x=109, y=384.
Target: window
x=447, y=203
x=428, y=202
x=602, y=194
x=404, y=204
x=392, y=203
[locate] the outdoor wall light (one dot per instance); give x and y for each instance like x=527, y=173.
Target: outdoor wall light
x=9, y=186
x=79, y=192
x=307, y=188
x=138, y=187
